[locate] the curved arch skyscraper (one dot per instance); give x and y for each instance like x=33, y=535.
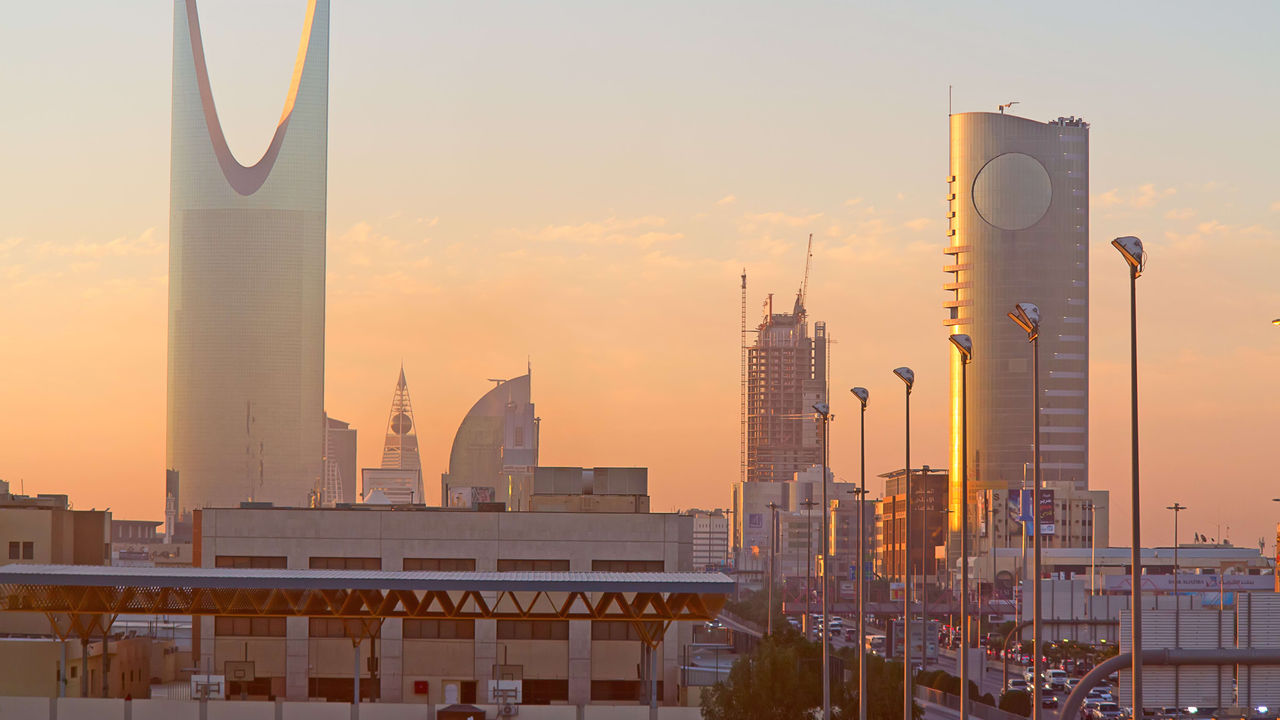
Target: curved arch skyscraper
x=246, y=285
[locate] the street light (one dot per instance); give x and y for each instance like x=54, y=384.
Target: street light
x=1177, y=508
x=964, y=345
x=1131, y=249
x=862, y=395
x=824, y=410
x=908, y=377
x=773, y=540
x=808, y=566
x=1027, y=317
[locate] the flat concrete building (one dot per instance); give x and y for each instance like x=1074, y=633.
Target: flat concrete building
x=573, y=662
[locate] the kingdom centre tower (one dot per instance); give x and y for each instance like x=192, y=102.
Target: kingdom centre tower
x=246, y=285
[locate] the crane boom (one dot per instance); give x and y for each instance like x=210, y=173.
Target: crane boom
x=804, y=283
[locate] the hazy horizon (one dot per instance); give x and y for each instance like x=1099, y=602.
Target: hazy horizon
x=579, y=186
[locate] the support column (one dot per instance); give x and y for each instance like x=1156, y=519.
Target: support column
x=653, y=682
x=579, y=663
x=391, y=664
x=297, y=659
x=84, y=664
x=106, y=662
x=355, y=679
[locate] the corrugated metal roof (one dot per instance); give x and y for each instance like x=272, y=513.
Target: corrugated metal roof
x=183, y=577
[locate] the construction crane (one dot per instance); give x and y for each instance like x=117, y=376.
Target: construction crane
x=804, y=284
x=1009, y=105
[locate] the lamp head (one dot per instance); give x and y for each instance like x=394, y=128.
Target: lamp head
x=1131, y=248
x=822, y=408
x=1027, y=316
x=964, y=344
x=906, y=375
x=862, y=395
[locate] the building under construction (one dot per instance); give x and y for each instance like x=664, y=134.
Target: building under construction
x=784, y=375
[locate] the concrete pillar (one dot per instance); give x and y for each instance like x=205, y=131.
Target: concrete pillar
x=486, y=654
x=579, y=663
x=84, y=666
x=106, y=663
x=391, y=669
x=297, y=659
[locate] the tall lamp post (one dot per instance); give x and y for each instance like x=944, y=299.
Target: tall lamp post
x=1177, y=601
x=964, y=345
x=1027, y=316
x=862, y=395
x=825, y=411
x=908, y=377
x=1131, y=249
x=808, y=566
x=773, y=541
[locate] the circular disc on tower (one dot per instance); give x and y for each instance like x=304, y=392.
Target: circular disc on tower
x=1012, y=191
x=401, y=424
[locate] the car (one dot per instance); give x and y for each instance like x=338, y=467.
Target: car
x=1048, y=700
x=1108, y=711
x=1071, y=684
x=1017, y=684
x=1057, y=679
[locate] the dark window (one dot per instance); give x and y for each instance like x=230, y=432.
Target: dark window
x=533, y=630
x=440, y=564
x=14, y=550
x=627, y=565
x=544, y=692
x=346, y=563
x=439, y=629
x=28, y=551
x=532, y=565
x=468, y=691
x=257, y=626
x=326, y=627
x=613, y=630
x=251, y=561
x=618, y=689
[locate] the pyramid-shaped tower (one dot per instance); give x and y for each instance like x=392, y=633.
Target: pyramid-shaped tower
x=400, y=452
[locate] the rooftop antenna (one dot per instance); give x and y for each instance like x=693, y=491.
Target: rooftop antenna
x=1009, y=105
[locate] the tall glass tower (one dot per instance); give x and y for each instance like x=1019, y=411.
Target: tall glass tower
x=1019, y=232
x=246, y=285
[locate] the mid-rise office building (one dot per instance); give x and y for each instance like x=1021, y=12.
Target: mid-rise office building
x=246, y=286
x=1019, y=232
x=340, y=459
x=929, y=487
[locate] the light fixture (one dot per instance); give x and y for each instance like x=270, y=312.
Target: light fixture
x=1131, y=248
x=906, y=375
x=964, y=344
x=822, y=408
x=1027, y=316
x=862, y=395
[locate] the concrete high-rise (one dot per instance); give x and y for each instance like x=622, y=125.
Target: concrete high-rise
x=246, y=285
x=1019, y=232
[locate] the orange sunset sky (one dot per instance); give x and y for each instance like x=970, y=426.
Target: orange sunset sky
x=579, y=185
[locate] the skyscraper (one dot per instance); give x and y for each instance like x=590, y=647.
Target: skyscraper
x=495, y=450
x=400, y=451
x=246, y=285
x=1019, y=232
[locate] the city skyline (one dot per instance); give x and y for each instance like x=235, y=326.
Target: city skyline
x=602, y=232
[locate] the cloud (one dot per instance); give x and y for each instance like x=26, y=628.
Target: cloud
x=1180, y=214
x=727, y=200
x=123, y=246
x=1144, y=196
x=755, y=221
x=919, y=224
x=1219, y=233
x=640, y=232
x=1275, y=206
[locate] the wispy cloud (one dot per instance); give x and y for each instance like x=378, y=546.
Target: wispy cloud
x=123, y=246
x=641, y=232
x=752, y=222
x=1144, y=196
x=727, y=200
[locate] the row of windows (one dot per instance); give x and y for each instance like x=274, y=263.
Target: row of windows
x=438, y=629
x=533, y=630
x=250, y=561
x=22, y=550
x=408, y=564
x=258, y=626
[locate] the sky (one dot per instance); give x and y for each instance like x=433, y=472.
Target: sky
x=578, y=186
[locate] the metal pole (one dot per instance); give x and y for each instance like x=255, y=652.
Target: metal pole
x=1093, y=555
x=1037, y=626
x=808, y=567
x=355, y=679
x=653, y=682
x=1135, y=578
x=826, y=557
x=1177, y=601
x=773, y=532
x=964, y=539
x=862, y=581
x=907, y=700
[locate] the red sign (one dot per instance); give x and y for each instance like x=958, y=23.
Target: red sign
x=421, y=687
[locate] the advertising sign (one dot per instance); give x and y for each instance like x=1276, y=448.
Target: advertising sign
x=1046, y=515
x=755, y=521
x=918, y=636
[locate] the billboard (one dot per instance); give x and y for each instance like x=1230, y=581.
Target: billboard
x=1046, y=513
